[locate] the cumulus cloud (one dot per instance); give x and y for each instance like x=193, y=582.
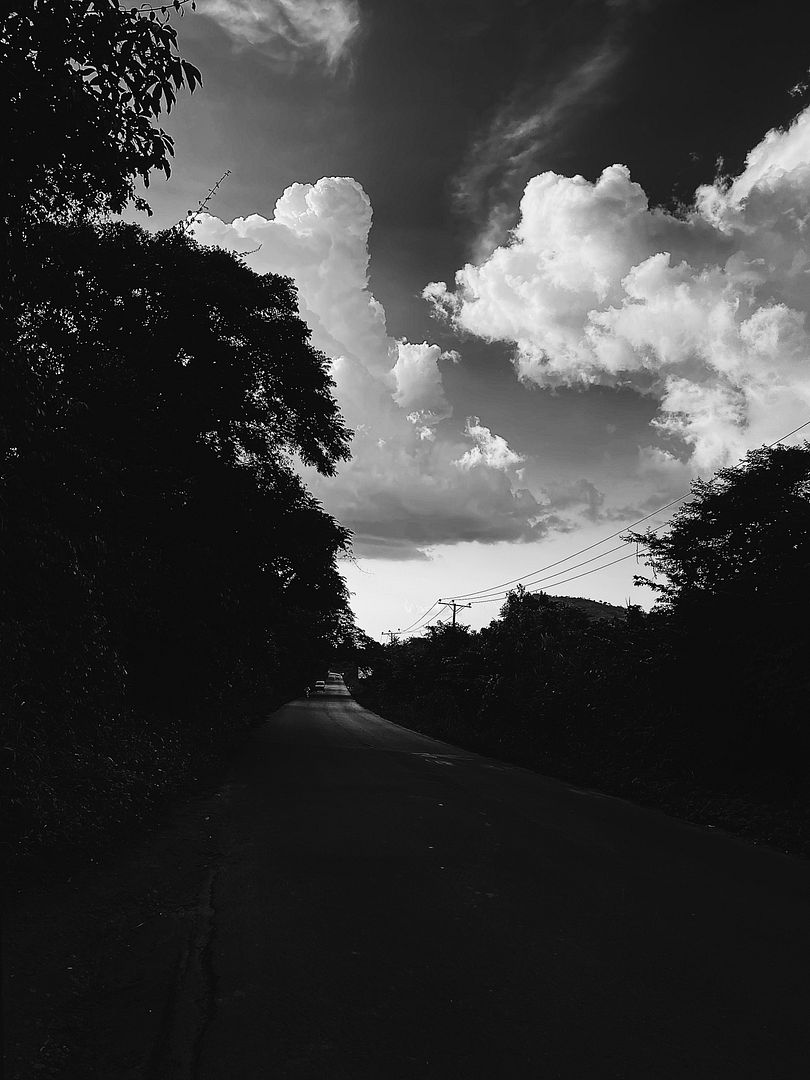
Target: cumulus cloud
x=517, y=134
x=318, y=236
x=403, y=497
x=402, y=492
x=488, y=449
x=779, y=154
x=288, y=29
x=419, y=386
x=708, y=312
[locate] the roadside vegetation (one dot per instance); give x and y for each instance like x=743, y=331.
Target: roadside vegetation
x=699, y=707
x=165, y=573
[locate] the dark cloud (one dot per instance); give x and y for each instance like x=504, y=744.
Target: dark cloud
x=579, y=493
x=474, y=509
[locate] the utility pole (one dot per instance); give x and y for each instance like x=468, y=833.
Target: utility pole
x=454, y=604
x=392, y=635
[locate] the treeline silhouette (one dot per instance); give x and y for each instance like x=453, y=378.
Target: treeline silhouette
x=164, y=569
x=700, y=706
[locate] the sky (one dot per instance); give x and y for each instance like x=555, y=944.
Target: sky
x=556, y=252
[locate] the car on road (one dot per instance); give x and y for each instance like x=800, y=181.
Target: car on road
x=320, y=685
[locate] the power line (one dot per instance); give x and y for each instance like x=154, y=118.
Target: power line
x=630, y=555
x=783, y=437
x=432, y=619
x=554, y=584
x=537, y=587
x=422, y=616
x=573, y=555
x=535, y=584
x=478, y=594
x=414, y=627
x=531, y=580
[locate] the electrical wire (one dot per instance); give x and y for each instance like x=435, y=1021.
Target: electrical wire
x=535, y=584
x=543, y=587
x=540, y=583
x=573, y=555
x=533, y=580
x=420, y=629
x=408, y=629
x=476, y=594
x=554, y=584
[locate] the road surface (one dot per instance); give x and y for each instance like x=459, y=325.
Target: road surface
x=386, y=906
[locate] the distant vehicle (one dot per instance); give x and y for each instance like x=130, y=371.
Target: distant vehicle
x=320, y=684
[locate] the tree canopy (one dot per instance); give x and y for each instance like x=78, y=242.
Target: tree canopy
x=162, y=557
x=742, y=539
x=88, y=81
x=159, y=393
x=707, y=693
x=163, y=562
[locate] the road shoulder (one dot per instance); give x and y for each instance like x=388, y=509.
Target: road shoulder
x=94, y=956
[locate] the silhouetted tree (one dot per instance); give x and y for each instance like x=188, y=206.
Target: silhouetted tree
x=168, y=385
x=87, y=81
x=529, y=623
x=162, y=558
x=735, y=588
x=741, y=543
x=701, y=702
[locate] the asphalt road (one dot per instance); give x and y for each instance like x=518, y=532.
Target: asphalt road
x=387, y=906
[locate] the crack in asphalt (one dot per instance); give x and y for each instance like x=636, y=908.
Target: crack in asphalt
x=205, y=959
x=191, y=1007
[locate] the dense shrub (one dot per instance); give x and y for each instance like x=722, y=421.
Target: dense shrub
x=709, y=690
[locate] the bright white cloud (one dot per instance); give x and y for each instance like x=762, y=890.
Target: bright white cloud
x=288, y=29
x=419, y=383
x=488, y=449
x=317, y=235
x=708, y=312
x=402, y=491
x=767, y=165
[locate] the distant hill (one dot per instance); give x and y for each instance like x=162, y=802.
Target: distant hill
x=594, y=609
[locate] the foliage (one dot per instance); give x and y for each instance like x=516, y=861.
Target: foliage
x=709, y=691
x=743, y=539
x=163, y=565
x=530, y=685
x=88, y=80
x=736, y=591
x=162, y=559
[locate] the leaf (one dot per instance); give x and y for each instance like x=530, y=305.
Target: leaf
x=192, y=74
